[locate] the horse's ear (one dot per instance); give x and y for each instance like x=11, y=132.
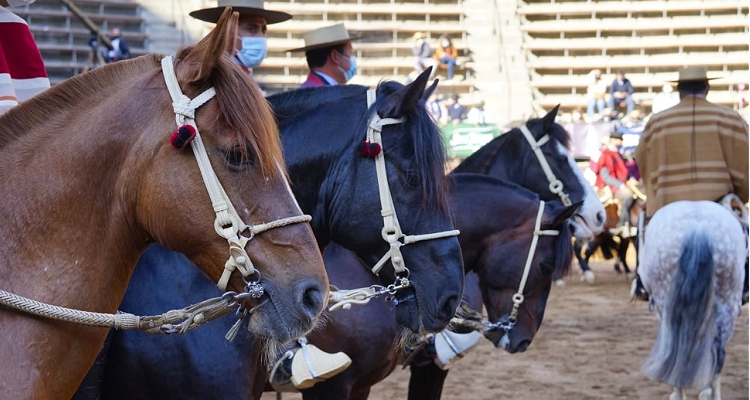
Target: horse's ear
x=558, y=215
x=549, y=119
x=428, y=92
x=207, y=53
x=405, y=99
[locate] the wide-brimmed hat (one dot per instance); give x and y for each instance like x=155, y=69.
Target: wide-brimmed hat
x=419, y=35
x=326, y=36
x=244, y=7
x=693, y=74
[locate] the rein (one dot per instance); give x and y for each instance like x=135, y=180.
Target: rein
x=391, y=231
x=555, y=185
x=507, y=323
x=228, y=225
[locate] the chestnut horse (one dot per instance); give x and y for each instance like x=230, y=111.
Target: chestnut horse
x=321, y=129
x=109, y=183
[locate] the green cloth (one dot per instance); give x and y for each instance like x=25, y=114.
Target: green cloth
x=461, y=140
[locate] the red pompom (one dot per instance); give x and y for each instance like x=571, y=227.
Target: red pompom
x=362, y=148
x=373, y=149
x=182, y=136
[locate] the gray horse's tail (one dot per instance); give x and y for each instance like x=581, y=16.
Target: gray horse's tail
x=684, y=355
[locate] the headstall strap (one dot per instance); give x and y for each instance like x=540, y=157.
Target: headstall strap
x=508, y=323
x=391, y=229
x=555, y=185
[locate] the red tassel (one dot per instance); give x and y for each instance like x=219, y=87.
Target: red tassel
x=373, y=149
x=362, y=149
x=182, y=136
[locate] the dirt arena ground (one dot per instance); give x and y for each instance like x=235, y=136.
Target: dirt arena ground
x=590, y=346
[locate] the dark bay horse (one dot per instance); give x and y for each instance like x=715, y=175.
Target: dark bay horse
x=321, y=131
x=110, y=182
x=496, y=220
x=550, y=171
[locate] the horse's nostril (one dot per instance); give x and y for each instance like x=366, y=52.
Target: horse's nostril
x=600, y=216
x=448, y=309
x=310, y=299
x=523, y=345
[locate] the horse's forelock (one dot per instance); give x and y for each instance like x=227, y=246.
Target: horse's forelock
x=244, y=112
x=428, y=149
x=563, y=251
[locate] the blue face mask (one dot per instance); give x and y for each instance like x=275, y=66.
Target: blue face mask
x=253, y=51
x=352, y=68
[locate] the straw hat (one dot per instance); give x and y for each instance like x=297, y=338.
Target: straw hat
x=419, y=35
x=693, y=74
x=325, y=365
x=244, y=7
x=326, y=36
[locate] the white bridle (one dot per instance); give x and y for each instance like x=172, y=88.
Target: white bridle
x=391, y=231
x=555, y=185
x=507, y=323
x=228, y=223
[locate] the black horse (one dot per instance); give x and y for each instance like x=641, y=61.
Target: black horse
x=497, y=223
x=322, y=132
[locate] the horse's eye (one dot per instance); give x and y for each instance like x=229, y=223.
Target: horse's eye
x=239, y=158
x=412, y=178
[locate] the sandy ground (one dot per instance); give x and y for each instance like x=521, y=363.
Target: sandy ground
x=591, y=346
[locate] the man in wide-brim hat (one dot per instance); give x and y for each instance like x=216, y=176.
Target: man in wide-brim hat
x=251, y=30
x=695, y=150
x=328, y=51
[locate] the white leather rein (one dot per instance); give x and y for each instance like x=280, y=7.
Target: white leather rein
x=391, y=231
x=228, y=223
x=507, y=323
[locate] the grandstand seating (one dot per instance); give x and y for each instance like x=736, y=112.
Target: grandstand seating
x=648, y=39
x=384, y=52
x=63, y=39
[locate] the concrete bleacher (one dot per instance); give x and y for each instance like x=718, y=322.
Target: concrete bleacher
x=63, y=39
x=648, y=39
x=384, y=52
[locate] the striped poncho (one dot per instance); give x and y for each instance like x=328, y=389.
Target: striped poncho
x=22, y=73
x=695, y=150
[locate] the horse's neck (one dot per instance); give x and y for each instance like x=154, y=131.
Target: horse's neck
x=478, y=220
x=316, y=162
x=502, y=161
x=61, y=208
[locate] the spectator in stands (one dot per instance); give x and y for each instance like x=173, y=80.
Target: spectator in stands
x=621, y=91
x=477, y=115
x=436, y=109
x=119, y=50
x=447, y=54
x=423, y=52
x=22, y=73
x=251, y=46
x=595, y=92
x=456, y=111
x=695, y=150
x=665, y=99
x=612, y=172
x=329, y=55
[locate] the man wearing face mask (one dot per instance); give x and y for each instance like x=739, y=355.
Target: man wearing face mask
x=329, y=55
x=251, y=30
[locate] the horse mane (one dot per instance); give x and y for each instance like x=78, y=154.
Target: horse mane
x=563, y=252
x=481, y=159
x=428, y=149
x=237, y=99
x=80, y=88
x=290, y=105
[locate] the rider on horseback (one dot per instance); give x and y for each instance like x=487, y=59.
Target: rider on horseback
x=695, y=150
x=612, y=172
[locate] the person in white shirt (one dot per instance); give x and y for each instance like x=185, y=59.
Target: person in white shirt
x=665, y=99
